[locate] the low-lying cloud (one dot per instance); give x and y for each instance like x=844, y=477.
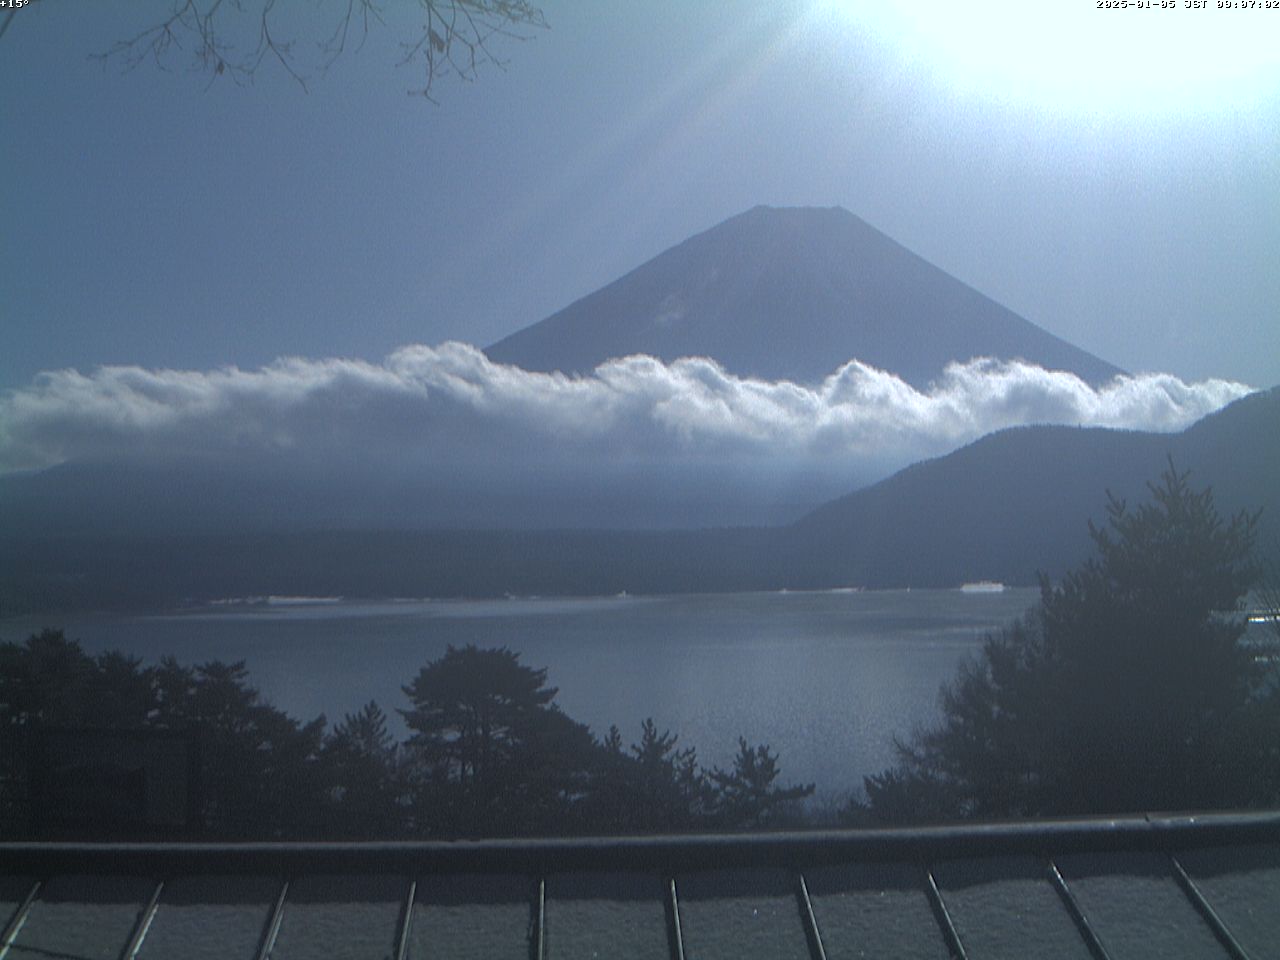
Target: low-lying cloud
x=451, y=404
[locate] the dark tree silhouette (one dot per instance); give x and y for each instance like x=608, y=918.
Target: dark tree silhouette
x=745, y=797
x=471, y=710
x=554, y=772
x=671, y=791
x=1268, y=594
x=652, y=786
x=261, y=769
x=364, y=776
x=491, y=752
x=50, y=680
x=234, y=38
x=1127, y=688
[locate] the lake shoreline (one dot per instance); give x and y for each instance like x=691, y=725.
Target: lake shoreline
x=826, y=678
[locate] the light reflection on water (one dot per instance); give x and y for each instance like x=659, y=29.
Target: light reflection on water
x=827, y=679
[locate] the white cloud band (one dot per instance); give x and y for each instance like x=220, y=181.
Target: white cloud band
x=423, y=403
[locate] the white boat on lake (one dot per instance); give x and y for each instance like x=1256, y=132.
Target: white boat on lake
x=982, y=586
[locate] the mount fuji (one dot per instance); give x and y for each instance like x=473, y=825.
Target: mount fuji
x=792, y=294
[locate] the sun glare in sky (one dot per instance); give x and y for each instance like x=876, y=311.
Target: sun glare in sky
x=1164, y=54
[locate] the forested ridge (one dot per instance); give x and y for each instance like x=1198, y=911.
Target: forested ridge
x=1010, y=505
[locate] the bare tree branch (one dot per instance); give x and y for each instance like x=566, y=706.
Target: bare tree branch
x=233, y=38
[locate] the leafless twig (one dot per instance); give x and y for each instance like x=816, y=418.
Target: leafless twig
x=456, y=37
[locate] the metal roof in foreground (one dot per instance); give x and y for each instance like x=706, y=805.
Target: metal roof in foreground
x=1142, y=887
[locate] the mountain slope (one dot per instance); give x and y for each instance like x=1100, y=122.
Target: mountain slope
x=791, y=294
x=1019, y=501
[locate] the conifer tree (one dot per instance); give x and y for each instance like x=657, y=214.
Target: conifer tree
x=746, y=795
x=1127, y=688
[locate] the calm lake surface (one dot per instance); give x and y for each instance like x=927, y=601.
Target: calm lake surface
x=826, y=679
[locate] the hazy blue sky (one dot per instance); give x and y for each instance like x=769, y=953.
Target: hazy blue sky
x=1114, y=179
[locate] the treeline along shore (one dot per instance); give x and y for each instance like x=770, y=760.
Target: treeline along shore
x=489, y=753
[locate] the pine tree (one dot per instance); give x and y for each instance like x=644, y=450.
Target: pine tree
x=746, y=795
x=1128, y=688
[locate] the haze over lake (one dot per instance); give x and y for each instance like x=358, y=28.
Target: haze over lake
x=826, y=679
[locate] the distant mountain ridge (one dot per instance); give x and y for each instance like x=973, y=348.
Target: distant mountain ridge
x=1006, y=507
x=791, y=293
x=1019, y=501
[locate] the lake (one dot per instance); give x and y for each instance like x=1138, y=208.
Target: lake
x=826, y=679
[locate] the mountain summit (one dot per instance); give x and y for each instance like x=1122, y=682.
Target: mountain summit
x=791, y=293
